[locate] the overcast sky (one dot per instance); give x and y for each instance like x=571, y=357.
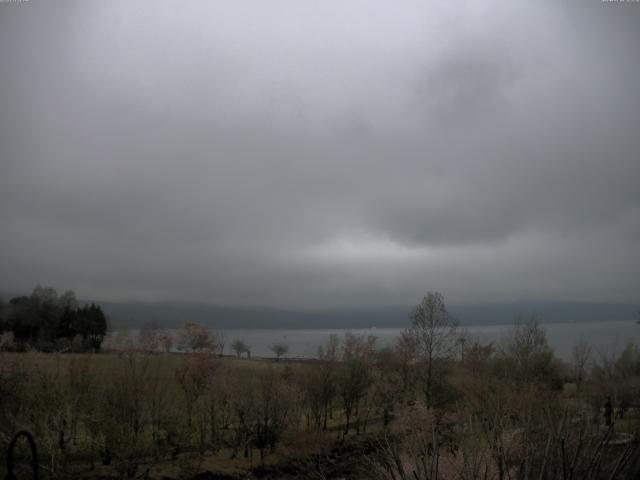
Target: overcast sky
x=303, y=153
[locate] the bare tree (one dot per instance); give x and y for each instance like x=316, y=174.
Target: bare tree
x=329, y=352
x=165, y=339
x=581, y=355
x=434, y=331
x=198, y=338
x=194, y=376
x=240, y=347
x=272, y=406
x=280, y=349
x=243, y=393
x=405, y=352
x=420, y=452
x=218, y=401
x=50, y=399
x=221, y=343
x=121, y=414
x=328, y=355
x=149, y=337
x=526, y=353
x=388, y=382
x=82, y=380
x=355, y=376
x=68, y=300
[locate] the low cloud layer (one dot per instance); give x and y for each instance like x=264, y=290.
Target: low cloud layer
x=318, y=154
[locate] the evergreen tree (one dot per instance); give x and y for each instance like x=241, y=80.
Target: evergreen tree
x=44, y=317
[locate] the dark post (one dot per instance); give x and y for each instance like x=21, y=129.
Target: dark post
x=608, y=412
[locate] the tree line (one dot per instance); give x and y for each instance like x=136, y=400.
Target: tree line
x=436, y=404
x=50, y=322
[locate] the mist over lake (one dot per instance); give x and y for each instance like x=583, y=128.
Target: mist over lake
x=605, y=337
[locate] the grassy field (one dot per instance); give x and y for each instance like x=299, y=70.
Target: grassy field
x=150, y=410
x=131, y=414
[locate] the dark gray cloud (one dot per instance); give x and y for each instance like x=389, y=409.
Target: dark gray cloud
x=321, y=153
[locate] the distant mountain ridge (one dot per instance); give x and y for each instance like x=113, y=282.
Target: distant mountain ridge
x=173, y=314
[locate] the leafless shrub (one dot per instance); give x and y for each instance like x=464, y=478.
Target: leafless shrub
x=197, y=338
x=279, y=350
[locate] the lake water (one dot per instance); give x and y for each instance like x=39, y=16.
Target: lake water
x=604, y=337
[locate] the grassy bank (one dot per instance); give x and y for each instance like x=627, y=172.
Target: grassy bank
x=355, y=412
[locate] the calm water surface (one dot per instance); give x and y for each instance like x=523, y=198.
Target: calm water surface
x=605, y=337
